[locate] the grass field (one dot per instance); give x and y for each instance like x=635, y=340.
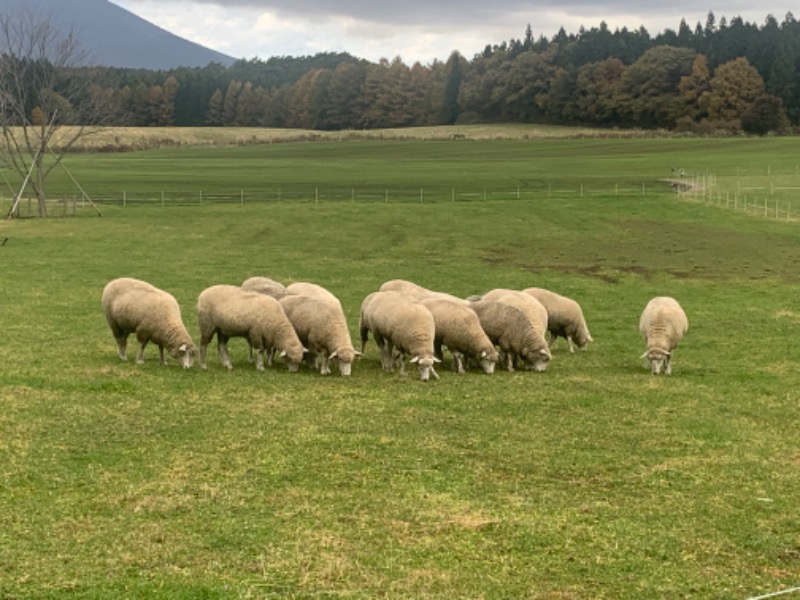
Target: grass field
x=591, y=480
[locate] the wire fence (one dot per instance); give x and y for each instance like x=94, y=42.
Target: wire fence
x=70, y=204
x=771, y=200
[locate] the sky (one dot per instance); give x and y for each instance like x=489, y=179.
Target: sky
x=415, y=30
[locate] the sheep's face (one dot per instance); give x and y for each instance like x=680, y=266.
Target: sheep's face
x=488, y=359
x=425, y=367
x=537, y=359
x=184, y=354
x=582, y=339
x=657, y=360
x=344, y=358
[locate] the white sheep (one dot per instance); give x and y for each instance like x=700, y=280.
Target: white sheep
x=419, y=292
x=264, y=285
x=400, y=326
x=322, y=328
x=564, y=318
x=134, y=306
x=662, y=324
x=228, y=311
x=313, y=290
x=459, y=330
x=537, y=315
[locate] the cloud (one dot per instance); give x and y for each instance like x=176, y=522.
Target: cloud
x=414, y=30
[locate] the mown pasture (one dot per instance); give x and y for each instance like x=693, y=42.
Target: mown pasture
x=591, y=480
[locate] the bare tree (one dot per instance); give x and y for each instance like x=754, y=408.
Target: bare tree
x=41, y=92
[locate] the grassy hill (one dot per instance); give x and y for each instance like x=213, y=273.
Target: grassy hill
x=593, y=479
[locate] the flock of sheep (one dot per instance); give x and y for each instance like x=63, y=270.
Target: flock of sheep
x=304, y=321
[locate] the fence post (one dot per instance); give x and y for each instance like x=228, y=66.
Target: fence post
x=354, y=194
x=162, y=197
x=316, y=194
x=484, y=194
x=124, y=198
x=241, y=197
x=453, y=194
x=644, y=192
x=201, y=196
x=386, y=198
x=420, y=194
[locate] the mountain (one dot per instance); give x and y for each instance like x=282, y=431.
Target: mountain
x=115, y=37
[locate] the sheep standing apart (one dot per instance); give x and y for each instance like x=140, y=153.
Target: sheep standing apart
x=662, y=324
x=134, y=306
x=400, y=326
x=509, y=328
x=322, y=328
x=564, y=318
x=537, y=315
x=265, y=285
x=459, y=330
x=228, y=311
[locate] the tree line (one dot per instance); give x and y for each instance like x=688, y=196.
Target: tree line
x=726, y=76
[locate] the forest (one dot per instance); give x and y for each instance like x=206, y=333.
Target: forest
x=718, y=77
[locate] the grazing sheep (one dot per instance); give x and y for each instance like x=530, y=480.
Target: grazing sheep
x=662, y=324
x=537, y=315
x=564, y=318
x=322, y=328
x=228, y=311
x=302, y=288
x=459, y=330
x=511, y=329
x=265, y=285
x=400, y=325
x=412, y=289
x=135, y=306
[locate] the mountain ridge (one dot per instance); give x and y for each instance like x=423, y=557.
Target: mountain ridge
x=114, y=37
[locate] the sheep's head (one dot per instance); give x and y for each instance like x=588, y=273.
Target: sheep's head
x=537, y=359
x=582, y=339
x=657, y=359
x=184, y=354
x=293, y=357
x=344, y=357
x=425, y=366
x=488, y=359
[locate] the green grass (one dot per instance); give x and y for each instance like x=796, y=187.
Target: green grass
x=591, y=480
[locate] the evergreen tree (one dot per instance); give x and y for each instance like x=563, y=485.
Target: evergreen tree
x=214, y=115
x=454, y=75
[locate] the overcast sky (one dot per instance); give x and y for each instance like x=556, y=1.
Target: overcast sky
x=414, y=30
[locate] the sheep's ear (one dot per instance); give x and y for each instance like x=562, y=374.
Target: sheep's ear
x=182, y=347
x=436, y=359
x=590, y=338
x=333, y=355
x=544, y=352
x=282, y=354
x=415, y=359
x=358, y=353
x=645, y=354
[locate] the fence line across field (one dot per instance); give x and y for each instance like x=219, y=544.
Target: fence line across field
x=375, y=194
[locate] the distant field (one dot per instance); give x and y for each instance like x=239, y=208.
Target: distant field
x=591, y=480
x=143, y=138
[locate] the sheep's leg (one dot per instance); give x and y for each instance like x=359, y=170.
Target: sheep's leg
x=667, y=366
x=140, y=355
x=161, y=354
x=510, y=361
x=324, y=367
x=458, y=362
x=259, y=358
x=122, y=346
x=571, y=347
x=222, y=349
x=250, y=356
